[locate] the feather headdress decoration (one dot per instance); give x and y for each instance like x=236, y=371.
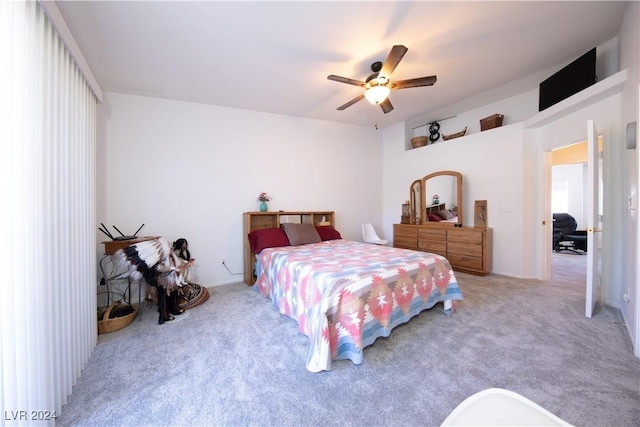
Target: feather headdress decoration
x=153, y=261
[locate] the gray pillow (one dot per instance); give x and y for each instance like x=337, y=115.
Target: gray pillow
x=445, y=214
x=301, y=234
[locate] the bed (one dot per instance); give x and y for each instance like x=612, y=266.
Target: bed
x=345, y=294
x=440, y=213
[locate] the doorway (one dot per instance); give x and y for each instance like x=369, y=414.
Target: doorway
x=569, y=191
x=568, y=174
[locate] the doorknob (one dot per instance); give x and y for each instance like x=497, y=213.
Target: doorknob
x=593, y=230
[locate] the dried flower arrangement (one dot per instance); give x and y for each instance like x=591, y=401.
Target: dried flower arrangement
x=264, y=197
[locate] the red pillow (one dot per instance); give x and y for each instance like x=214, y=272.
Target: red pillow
x=327, y=232
x=267, y=238
x=434, y=217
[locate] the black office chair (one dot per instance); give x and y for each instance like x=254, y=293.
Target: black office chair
x=565, y=235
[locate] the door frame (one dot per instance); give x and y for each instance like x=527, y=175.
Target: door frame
x=547, y=194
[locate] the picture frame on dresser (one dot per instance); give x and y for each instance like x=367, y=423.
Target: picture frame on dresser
x=480, y=213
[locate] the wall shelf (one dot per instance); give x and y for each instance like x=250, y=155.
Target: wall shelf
x=594, y=93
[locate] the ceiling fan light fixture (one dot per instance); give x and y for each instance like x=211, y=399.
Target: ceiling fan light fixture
x=378, y=85
x=377, y=94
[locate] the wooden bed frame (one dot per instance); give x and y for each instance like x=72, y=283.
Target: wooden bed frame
x=259, y=220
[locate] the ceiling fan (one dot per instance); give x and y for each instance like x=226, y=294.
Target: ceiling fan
x=378, y=85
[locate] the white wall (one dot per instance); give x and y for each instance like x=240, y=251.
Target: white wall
x=630, y=112
x=190, y=170
x=571, y=177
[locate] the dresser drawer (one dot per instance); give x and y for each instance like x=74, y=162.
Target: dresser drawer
x=432, y=234
x=410, y=231
x=464, y=249
x=433, y=240
x=462, y=261
x=439, y=248
x=405, y=236
x=467, y=235
x=405, y=242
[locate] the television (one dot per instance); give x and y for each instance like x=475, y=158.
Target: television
x=573, y=78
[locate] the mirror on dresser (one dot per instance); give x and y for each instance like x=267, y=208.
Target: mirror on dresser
x=415, y=200
x=442, y=199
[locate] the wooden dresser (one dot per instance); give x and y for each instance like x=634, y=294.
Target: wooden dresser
x=468, y=249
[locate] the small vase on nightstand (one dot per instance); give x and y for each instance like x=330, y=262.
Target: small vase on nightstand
x=263, y=207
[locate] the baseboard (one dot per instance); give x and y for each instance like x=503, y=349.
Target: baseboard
x=634, y=344
x=224, y=282
x=515, y=276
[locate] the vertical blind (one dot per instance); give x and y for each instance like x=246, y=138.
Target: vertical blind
x=47, y=246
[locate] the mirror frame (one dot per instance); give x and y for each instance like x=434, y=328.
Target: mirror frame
x=415, y=211
x=423, y=217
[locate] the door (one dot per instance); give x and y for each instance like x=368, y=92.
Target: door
x=592, y=219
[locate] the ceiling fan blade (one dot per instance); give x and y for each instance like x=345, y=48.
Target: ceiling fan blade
x=346, y=80
x=392, y=61
x=350, y=103
x=420, y=81
x=386, y=106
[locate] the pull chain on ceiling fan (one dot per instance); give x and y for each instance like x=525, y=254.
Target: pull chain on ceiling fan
x=379, y=85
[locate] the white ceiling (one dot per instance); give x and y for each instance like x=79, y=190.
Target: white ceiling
x=275, y=56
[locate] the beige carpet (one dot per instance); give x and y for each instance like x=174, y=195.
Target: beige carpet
x=568, y=269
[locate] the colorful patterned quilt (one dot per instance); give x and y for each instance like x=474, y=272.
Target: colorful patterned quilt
x=345, y=294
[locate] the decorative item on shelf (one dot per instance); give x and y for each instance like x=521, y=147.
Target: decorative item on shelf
x=419, y=141
x=436, y=199
x=323, y=221
x=406, y=213
x=493, y=121
x=264, y=198
x=434, y=131
x=455, y=135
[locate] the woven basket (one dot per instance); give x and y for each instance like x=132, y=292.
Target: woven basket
x=116, y=316
x=194, y=295
x=419, y=141
x=491, y=122
x=454, y=135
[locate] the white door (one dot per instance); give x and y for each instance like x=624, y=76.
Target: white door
x=592, y=219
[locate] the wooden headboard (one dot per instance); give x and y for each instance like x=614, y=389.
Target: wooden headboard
x=434, y=208
x=259, y=220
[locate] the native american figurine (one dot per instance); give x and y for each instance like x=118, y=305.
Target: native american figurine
x=181, y=249
x=155, y=262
